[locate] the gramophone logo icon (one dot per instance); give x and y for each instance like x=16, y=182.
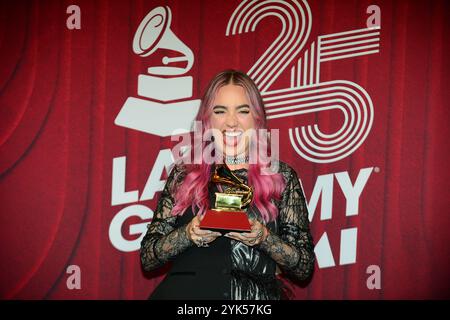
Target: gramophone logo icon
x=165, y=84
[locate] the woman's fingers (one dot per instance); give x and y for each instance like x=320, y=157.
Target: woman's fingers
x=205, y=237
x=203, y=232
x=196, y=232
x=209, y=239
x=249, y=238
x=237, y=236
x=253, y=234
x=202, y=236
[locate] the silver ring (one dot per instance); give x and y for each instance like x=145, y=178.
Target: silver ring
x=260, y=233
x=200, y=242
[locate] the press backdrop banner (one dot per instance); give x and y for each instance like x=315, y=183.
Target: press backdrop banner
x=92, y=94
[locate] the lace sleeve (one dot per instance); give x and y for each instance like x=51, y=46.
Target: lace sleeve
x=163, y=241
x=292, y=248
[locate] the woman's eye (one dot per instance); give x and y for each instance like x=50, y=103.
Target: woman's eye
x=219, y=111
x=244, y=111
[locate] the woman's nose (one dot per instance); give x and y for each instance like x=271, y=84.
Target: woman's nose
x=231, y=120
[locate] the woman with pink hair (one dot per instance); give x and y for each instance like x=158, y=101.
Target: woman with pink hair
x=207, y=264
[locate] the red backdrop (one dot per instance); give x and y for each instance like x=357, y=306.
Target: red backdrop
x=61, y=90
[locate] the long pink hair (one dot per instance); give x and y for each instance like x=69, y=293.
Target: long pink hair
x=193, y=191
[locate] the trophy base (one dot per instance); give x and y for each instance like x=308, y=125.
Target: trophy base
x=225, y=221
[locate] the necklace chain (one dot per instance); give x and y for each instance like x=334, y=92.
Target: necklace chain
x=236, y=160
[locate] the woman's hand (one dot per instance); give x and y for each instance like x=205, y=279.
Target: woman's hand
x=256, y=236
x=199, y=236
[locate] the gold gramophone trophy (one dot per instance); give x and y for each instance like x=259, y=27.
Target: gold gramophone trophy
x=228, y=213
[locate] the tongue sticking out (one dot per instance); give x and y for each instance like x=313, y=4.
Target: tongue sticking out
x=232, y=138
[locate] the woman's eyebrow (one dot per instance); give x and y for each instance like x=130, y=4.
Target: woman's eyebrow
x=242, y=106
x=219, y=107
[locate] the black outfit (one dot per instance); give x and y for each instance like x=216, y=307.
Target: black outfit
x=229, y=269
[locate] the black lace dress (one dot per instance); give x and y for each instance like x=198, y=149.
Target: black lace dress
x=229, y=269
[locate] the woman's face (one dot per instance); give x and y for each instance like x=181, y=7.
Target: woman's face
x=232, y=116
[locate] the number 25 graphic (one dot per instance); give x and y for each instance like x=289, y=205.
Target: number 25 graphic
x=306, y=93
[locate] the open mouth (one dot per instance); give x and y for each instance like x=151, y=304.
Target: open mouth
x=232, y=138
x=232, y=134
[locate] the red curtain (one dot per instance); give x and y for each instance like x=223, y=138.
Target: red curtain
x=61, y=90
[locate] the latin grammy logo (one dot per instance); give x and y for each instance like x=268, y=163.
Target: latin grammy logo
x=165, y=83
